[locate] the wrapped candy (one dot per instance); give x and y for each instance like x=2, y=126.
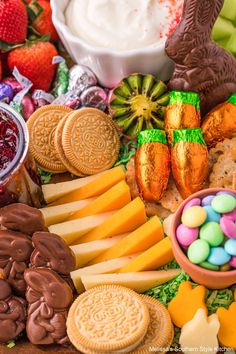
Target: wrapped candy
x=220, y=123
x=80, y=78
x=27, y=107
x=152, y=164
x=18, y=98
x=15, y=85
x=61, y=82
x=6, y=93
x=70, y=99
x=42, y=98
x=182, y=112
x=94, y=96
x=189, y=160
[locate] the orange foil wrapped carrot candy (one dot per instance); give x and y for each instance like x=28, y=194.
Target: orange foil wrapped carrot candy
x=220, y=123
x=152, y=164
x=189, y=160
x=182, y=112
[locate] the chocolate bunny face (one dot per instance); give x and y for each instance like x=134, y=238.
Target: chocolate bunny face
x=52, y=252
x=15, y=251
x=22, y=218
x=45, y=285
x=194, y=29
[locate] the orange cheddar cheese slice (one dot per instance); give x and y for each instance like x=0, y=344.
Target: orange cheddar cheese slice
x=139, y=240
x=153, y=258
x=115, y=198
x=82, y=188
x=124, y=220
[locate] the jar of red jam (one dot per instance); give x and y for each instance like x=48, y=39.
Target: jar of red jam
x=19, y=181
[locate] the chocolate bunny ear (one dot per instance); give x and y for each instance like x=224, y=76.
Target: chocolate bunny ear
x=35, y=279
x=201, y=14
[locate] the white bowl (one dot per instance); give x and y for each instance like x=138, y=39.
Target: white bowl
x=110, y=66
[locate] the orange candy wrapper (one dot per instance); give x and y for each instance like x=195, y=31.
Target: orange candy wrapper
x=189, y=160
x=220, y=123
x=152, y=164
x=182, y=112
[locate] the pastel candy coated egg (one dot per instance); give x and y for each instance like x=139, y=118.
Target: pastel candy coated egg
x=218, y=256
x=194, y=216
x=211, y=233
x=231, y=216
x=207, y=200
x=228, y=227
x=186, y=235
x=198, y=251
x=209, y=266
x=233, y=262
x=223, y=203
x=212, y=215
x=191, y=203
x=230, y=247
x=230, y=193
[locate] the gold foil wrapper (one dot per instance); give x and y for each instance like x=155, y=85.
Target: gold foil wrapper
x=219, y=124
x=189, y=163
x=152, y=165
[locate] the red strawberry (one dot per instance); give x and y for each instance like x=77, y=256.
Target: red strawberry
x=43, y=23
x=34, y=60
x=13, y=21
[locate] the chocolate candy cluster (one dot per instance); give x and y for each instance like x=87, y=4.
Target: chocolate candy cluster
x=36, y=267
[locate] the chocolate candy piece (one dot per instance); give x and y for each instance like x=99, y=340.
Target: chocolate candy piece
x=52, y=252
x=81, y=77
x=49, y=298
x=23, y=218
x=6, y=93
x=201, y=65
x=15, y=85
x=15, y=251
x=12, y=313
x=95, y=97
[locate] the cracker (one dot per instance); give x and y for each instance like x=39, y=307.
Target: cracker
x=171, y=198
x=224, y=170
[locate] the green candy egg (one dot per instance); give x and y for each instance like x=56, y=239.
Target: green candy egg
x=198, y=251
x=211, y=233
x=209, y=266
x=223, y=203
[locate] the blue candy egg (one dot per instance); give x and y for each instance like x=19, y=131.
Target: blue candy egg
x=218, y=256
x=207, y=200
x=230, y=247
x=212, y=215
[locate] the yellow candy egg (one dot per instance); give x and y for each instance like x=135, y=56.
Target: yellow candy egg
x=194, y=216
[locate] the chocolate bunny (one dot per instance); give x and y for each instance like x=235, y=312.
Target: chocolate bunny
x=15, y=251
x=49, y=298
x=52, y=252
x=201, y=65
x=23, y=218
x=12, y=313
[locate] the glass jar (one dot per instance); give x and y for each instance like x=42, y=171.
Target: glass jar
x=19, y=181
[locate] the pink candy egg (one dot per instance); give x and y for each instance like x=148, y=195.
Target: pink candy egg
x=228, y=227
x=191, y=203
x=185, y=235
x=232, y=262
x=231, y=216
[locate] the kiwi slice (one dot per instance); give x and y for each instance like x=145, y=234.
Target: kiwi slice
x=139, y=103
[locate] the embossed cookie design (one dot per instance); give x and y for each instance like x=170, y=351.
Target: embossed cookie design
x=107, y=318
x=90, y=141
x=42, y=125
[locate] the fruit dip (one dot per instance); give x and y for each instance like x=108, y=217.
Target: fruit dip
x=123, y=25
